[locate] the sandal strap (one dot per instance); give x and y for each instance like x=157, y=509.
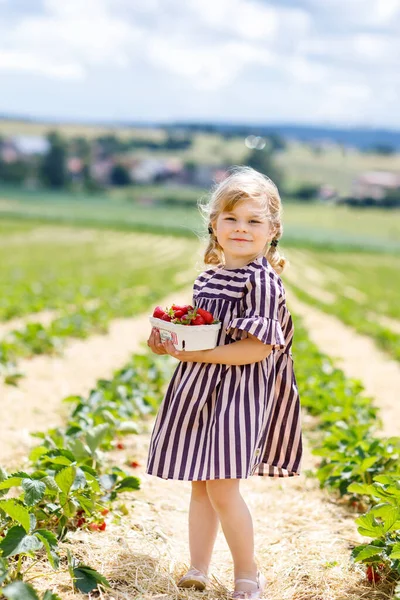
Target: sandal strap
x=246, y=581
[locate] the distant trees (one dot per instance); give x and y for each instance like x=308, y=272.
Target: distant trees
x=14, y=172
x=120, y=175
x=53, y=169
x=264, y=162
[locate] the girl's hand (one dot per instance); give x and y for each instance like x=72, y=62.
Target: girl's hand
x=155, y=344
x=182, y=355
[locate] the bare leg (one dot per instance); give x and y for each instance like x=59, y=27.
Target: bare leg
x=237, y=526
x=203, y=527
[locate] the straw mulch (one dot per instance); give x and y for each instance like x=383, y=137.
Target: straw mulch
x=303, y=541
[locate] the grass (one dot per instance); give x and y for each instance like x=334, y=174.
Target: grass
x=305, y=225
x=360, y=289
x=51, y=268
x=332, y=166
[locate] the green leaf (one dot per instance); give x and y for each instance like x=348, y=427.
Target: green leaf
x=3, y=570
x=61, y=460
x=50, y=537
x=3, y=477
x=17, y=542
x=86, y=503
x=17, y=512
x=361, y=488
x=34, y=491
x=389, y=515
x=368, y=551
x=369, y=526
x=79, y=481
x=65, y=478
x=20, y=591
x=128, y=484
x=395, y=553
x=95, y=436
x=50, y=483
x=48, y=595
x=10, y=482
x=87, y=579
x=49, y=541
x=37, y=452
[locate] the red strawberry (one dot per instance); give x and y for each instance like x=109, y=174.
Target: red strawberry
x=81, y=521
x=372, y=575
x=207, y=316
x=185, y=308
x=198, y=321
x=179, y=313
x=102, y=526
x=93, y=527
x=158, y=312
x=120, y=446
x=105, y=511
x=166, y=317
x=135, y=464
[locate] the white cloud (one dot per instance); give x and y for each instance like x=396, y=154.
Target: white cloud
x=334, y=52
x=208, y=66
x=70, y=37
x=20, y=61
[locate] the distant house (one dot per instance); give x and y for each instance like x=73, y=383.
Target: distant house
x=150, y=170
x=100, y=170
x=23, y=146
x=207, y=175
x=375, y=184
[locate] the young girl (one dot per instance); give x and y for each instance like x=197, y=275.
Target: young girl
x=233, y=411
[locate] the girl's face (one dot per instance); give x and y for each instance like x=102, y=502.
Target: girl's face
x=243, y=233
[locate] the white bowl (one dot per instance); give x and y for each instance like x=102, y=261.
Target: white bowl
x=187, y=337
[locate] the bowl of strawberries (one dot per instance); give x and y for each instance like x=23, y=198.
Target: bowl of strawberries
x=188, y=327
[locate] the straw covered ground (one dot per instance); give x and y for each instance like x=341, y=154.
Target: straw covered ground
x=303, y=535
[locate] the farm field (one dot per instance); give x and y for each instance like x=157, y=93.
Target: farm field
x=95, y=500
x=362, y=290
x=77, y=280
x=305, y=224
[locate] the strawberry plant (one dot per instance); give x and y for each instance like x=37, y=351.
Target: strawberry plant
x=68, y=484
x=355, y=464
x=382, y=523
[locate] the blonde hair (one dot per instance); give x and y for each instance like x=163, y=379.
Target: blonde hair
x=243, y=183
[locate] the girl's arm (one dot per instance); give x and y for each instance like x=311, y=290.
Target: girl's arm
x=243, y=352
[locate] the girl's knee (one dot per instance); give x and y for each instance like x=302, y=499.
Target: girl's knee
x=199, y=489
x=222, y=492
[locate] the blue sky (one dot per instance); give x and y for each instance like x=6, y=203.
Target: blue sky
x=331, y=62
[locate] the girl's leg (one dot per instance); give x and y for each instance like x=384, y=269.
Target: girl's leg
x=237, y=526
x=203, y=527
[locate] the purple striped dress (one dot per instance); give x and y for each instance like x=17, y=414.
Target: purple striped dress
x=220, y=421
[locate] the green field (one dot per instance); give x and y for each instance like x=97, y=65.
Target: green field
x=305, y=224
x=361, y=289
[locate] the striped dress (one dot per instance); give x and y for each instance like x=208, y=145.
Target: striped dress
x=220, y=421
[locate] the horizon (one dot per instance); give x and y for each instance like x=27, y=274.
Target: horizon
x=190, y=122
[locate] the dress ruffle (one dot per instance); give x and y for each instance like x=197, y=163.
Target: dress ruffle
x=265, y=329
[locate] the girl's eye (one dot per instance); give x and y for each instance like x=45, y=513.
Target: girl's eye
x=232, y=219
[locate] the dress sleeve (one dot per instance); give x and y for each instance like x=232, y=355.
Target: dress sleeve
x=261, y=308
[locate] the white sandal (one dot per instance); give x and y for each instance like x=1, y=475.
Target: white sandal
x=194, y=578
x=261, y=583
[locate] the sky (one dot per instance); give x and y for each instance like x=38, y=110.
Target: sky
x=321, y=62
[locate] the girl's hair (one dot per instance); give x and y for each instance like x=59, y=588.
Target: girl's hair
x=243, y=183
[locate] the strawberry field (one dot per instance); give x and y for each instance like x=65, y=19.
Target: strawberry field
x=80, y=481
